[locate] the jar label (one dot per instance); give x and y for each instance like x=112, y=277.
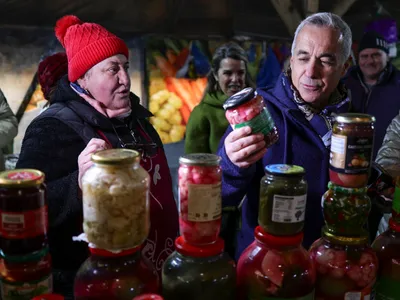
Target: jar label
x=387, y=289
x=351, y=155
x=365, y=294
x=262, y=123
x=307, y=297
x=26, y=290
x=289, y=209
x=24, y=224
x=204, y=202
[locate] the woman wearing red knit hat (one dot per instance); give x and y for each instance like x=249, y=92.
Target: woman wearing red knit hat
x=92, y=109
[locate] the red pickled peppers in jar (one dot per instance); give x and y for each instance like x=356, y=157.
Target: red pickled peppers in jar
x=23, y=212
x=200, y=198
x=247, y=108
x=148, y=297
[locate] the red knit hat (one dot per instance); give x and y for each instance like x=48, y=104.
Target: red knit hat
x=86, y=44
x=50, y=70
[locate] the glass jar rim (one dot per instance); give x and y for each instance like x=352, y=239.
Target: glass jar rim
x=285, y=170
x=208, y=250
x=351, y=118
x=200, y=159
x=31, y=257
x=116, y=157
x=362, y=239
x=278, y=241
x=345, y=190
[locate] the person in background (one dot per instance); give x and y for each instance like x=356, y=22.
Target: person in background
x=50, y=71
x=302, y=104
x=207, y=122
x=93, y=109
x=374, y=84
x=8, y=128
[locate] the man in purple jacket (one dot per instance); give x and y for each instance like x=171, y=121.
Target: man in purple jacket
x=301, y=104
x=375, y=84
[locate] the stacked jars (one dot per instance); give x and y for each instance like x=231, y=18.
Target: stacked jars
x=275, y=265
x=199, y=269
x=115, y=194
x=387, y=248
x=25, y=263
x=346, y=266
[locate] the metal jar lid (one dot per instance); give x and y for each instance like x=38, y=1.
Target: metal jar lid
x=115, y=157
x=351, y=118
x=239, y=98
x=285, y=170
x=21, y=178
x=200, y=159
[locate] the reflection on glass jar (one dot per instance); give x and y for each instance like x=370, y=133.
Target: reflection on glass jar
x=200, y=198
x=283, y=197
x=346, y=267
x=345, y=210
x=115, y=193
x=275, y=267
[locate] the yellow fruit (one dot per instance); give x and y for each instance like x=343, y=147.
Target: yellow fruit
x=176, y=118
x=175, y=101
x=177, y=133
x=165, y=138
x=160, y=97
x=154, y=107
x=163, y=114
x=161, y=124
x=169, y=107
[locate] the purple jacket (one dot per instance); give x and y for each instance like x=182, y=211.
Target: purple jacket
x=299, y=144
x=381, y=100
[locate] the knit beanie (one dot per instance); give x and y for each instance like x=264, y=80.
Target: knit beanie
x=50, y=70
x=86, y=44
x=372, y=39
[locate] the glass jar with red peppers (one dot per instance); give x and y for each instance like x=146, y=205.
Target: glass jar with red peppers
x=247, y=108
x=345, y=210
x=200, y=198
x=122, y=276
x=275, y=267
x=351, y=149
x=346, y=267
x=49, y=297
x=27, y=276
x=148, y=297
x=23, y=212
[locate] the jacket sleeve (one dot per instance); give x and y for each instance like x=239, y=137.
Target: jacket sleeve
x=8, y=123
x=53, y=148
x=389, y=153
x=197, y=133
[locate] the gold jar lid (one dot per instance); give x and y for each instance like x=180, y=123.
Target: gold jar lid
x=350, y=118
x=362, y=239
x=115, y=157
x=200, y=159
x=21, y=178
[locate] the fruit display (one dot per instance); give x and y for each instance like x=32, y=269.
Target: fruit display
x=199, y=198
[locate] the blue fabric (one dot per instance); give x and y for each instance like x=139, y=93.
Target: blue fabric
x=299, y=144
x=381, y=100
x=270, y=70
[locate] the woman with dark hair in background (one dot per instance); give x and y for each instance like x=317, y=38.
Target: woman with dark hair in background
x=207, y=123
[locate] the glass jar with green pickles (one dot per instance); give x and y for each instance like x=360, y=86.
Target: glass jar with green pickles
x=283, y=197
x=345, y=210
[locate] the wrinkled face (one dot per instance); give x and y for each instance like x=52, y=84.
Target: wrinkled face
x=372, y=62
x=108, y=82
x=315, y=64
x=231, y=76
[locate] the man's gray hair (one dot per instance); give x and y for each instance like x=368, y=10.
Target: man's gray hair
x=325, y=19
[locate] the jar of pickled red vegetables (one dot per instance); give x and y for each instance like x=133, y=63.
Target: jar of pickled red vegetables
x=148, y=297
x=26, y=276
x=283, y=197
x=275, y=267
x=247, y=108
x=346, y=267
x=387, y=248
x=23, y=212
x=199, y=272
x=351, y=149
x=345, y=210
x=123, y=276
x=49, y=297
x=199, y=198
x=115, y=194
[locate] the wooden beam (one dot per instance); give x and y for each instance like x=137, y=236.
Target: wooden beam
x=289, y=15
x=342, y=7
x=311, y=7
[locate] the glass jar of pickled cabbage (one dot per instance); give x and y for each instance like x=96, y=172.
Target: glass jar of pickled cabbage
x=283, y=197
x=199, y=272
x=200, y=198
x=123, y=276
x=275, y=267
x=346, y=267
x=247, y=108
x=345, y=210
x=115, y=193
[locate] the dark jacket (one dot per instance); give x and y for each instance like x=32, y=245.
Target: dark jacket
x=299, y=144
x=52, y=144
x=381, y=100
